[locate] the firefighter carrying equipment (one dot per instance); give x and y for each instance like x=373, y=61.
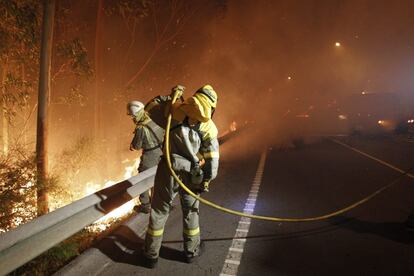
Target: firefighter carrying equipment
x=268, y=218
x=186, y=142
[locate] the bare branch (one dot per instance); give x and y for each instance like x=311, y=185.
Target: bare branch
x=184, y=19
x=141, y=69
x=131, y=44
x=26, y=121
x=154, y=16
x=59, y=71
x=164, y=37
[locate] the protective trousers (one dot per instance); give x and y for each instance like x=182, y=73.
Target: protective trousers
x=148, y=160
x=165, y=190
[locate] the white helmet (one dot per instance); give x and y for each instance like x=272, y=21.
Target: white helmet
x=134, y=107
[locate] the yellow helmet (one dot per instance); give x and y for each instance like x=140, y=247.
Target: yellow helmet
x=200, y=107
x=208, y=95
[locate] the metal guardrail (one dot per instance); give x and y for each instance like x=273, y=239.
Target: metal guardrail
x=29, y=240
x=20, y=245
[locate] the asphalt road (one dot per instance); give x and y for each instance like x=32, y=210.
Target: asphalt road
x=316, y=179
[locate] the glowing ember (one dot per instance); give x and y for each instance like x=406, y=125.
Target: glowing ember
x=104, y=222
x=129, y=171
x=91, y=187
x=233, y=126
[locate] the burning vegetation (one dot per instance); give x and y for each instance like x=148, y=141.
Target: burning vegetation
x=95, y=70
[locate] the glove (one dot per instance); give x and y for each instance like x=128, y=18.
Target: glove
x=202, y=188
x=179, y=89
x=205, y=186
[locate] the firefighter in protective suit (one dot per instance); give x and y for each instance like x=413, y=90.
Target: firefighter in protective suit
x=148, y=137
x=193, y=137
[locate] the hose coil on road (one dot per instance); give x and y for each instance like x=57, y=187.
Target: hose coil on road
x=269, y=218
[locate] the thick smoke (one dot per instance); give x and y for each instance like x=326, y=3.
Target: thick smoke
x=269, y=61
x=272, y=61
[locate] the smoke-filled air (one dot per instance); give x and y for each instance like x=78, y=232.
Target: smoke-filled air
x=284, y=70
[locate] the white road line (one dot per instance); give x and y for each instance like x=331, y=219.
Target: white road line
x=239, y=239
x=373, y=158
x=232, y=262
x=102, y=268
x=236, y=246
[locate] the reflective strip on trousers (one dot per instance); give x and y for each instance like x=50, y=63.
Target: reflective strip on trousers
x=155, y=233
x=192, y=232
x=211, y=154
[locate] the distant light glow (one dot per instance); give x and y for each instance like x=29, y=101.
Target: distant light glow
x=289, y=78
x=363, y=93
x=342, y=117
x=380, y=122
x=337, y=44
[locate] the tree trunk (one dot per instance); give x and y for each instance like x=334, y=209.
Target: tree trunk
x=4, y=121
x=43, y=104
x=98, y=71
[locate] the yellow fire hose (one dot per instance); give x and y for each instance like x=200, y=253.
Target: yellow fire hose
x=237, y=213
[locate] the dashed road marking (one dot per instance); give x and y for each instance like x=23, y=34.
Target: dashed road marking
x=373, y=158
x=239, y=239
x=240, y=250
x=232, y=262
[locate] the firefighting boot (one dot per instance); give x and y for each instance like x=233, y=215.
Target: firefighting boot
x=149, y=262
x=191, y=257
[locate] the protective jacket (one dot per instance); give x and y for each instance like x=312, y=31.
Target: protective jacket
x=148, y=136
x=189, y=144
x=157, y=109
